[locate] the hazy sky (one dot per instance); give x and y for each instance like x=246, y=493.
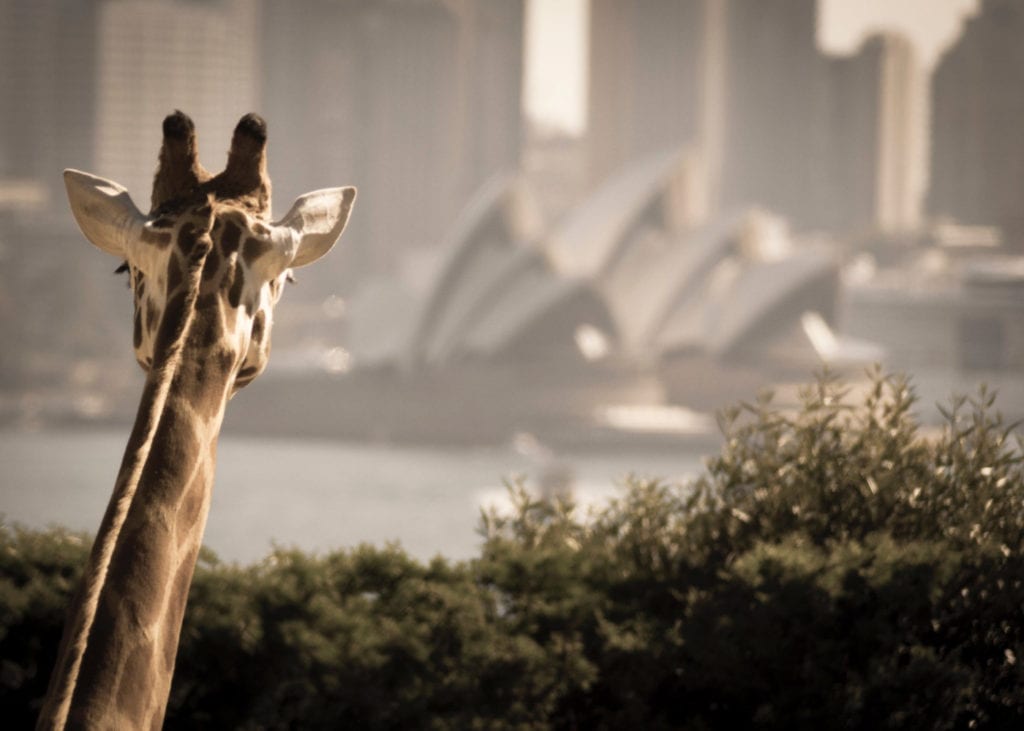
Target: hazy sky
x=556, y=44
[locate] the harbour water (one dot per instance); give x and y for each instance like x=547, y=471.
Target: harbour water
x=318, y=495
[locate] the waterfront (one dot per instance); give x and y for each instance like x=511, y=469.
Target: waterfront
x=316, y=494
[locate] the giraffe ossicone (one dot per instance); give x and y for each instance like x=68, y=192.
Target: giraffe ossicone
x=207, y=267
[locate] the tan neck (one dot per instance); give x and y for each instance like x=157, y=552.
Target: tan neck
x=116, y=657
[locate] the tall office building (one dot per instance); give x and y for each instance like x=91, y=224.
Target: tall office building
x=157, y=55
x=491, y=111
x=977, y=150
x=739, y=82
x=310, y=65
x=417, y=102
x=774, y=107
x=47, y=53
x=901, y=136
x=651, y=81
x=876, y=128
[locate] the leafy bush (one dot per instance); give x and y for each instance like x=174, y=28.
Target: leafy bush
x=834, y=567
x=39, y=570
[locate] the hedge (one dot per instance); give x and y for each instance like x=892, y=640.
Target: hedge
x=836, y=566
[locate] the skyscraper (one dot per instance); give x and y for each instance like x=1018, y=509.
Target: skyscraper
x=415, y=101
x=47, y=52
x=774, y=107
x=874, y=164
x=740, y=82
x=649, y=79
x=157, y=55
x=977, y=150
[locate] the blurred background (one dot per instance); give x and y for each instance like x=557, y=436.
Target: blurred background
x=582, y=228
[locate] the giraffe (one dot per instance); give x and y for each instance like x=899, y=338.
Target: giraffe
x=206, y=268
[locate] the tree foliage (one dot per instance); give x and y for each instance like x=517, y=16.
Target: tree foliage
x=834, y=567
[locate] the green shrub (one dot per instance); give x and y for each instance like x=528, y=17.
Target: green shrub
x=833, y=568
x=39, y=571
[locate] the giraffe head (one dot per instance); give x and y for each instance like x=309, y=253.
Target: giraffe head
x=206, y=258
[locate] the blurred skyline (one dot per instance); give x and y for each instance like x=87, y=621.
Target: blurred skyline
x=556, y=45
x=759, y=189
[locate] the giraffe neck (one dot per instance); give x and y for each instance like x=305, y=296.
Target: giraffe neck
x=117, y=655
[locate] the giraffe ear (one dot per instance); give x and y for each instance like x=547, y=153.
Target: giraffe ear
x=316, y=221
x=103, y=210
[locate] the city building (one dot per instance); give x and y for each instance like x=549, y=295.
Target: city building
x=651, y=80
x=774, y=89
x=952, y=319
x=416, y=102
x=47, y=118
x=874, y=163
x=741, y=84
x=977, y=150
x=157, y=55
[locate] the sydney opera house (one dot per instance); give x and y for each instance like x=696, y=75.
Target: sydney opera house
x=627, y=306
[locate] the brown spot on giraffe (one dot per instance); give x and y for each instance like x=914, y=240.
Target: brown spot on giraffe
x=201, y=244
x=253, y=249
x=187, y=238
x=237, y=283
x=207, y=301
x=138, y=575
x=152, y=315
x=212, y=264
x=207, y=329
x=174, y=274
x=137, y=329
x=230, y=237
x=173, y=318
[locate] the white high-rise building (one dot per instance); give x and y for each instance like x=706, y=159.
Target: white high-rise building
x=875, y=168
x=901, y=137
